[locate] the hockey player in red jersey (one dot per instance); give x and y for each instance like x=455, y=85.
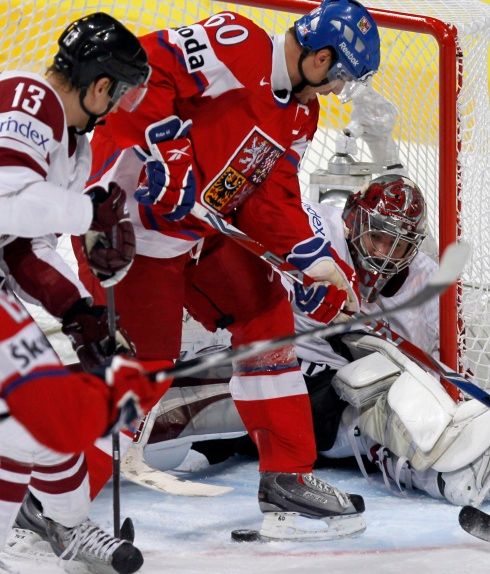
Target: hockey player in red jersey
x=48, y=416
x=44, y=163
x=228, y=114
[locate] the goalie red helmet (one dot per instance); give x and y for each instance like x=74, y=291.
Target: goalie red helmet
x=98, y=45
x=386, y=225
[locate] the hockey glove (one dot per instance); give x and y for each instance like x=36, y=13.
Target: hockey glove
x=170, y=179
x=132, y=393
x=87, y=328
x=109, y=244
x=334, y=289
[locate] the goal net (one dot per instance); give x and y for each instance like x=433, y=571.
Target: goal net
x=434, y=68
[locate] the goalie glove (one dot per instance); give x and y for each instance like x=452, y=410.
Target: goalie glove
x=133, y=394
x=109, y=244
x=170, y=180
x=87, y=328
x=334, y=288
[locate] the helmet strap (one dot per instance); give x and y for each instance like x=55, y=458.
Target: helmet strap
x=304, y=80
x=92, y=118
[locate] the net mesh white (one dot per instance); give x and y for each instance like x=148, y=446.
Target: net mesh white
x=409, y=76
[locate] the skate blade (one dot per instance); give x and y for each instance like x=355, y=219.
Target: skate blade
x=289, y=526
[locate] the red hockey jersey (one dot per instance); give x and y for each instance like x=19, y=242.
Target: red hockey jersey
x=248, y=135
x=65, y=411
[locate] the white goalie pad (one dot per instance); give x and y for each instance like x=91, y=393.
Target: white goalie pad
x=417, y=419
x=362, y=382
x=422, y=406
x=469, y=434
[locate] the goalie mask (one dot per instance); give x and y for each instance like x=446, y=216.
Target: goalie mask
x=97, y=46
x=386, y=224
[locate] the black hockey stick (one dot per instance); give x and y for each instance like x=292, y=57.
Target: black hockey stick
x=126, y=531
x=379, y=328
x=450, y=267
x=116, y=447
x=475, y=522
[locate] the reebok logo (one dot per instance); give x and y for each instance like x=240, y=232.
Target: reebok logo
x=25, y=129
x=177, y=153
x=349, y=55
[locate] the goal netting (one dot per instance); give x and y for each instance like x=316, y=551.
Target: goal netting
x=434, y=68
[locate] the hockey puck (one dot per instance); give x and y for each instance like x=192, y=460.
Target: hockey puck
x=246, y=535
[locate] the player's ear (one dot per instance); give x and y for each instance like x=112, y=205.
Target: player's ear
x=324, y=57
x=102, y=85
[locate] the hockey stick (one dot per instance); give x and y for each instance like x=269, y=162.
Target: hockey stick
x=135, y=469
x=379, y=328
x=450, y=267
x=116, y=446
x=475, y=522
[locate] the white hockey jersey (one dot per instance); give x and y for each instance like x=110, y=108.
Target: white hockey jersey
x=419, y=325
x=43, y=165
x=43, y=169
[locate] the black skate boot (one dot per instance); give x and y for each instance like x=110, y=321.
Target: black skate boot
x=286, y=497
x=89, y=544
x=86, y=542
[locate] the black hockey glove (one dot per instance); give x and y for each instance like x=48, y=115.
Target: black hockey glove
x=109, y=244
x=87, y=328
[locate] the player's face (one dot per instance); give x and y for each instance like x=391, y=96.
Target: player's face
x=381, y=244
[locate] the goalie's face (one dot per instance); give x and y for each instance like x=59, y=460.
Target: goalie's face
x=384, y=247
x=386, y=226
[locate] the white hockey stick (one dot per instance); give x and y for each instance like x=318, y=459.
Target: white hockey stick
x=451, y=265
x=135, y=469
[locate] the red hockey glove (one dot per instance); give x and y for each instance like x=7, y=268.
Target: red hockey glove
x=334, y=289
x=132, y=393
x=87, y=328
x=109, y=244
x=170, y=179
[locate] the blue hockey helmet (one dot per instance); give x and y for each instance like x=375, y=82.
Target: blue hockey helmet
x=346, y=27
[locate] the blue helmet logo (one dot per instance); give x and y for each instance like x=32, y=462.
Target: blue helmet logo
x=348, y=28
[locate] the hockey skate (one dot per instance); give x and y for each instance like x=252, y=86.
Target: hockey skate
x=86, y=543
x=303, y=507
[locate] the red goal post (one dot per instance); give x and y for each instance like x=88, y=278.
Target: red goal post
x=433, y=68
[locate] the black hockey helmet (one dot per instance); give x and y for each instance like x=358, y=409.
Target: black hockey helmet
x=98, y=45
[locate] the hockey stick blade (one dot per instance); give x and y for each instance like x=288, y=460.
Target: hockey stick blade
x=475, y=522
x=451, y=265
x=135, y=469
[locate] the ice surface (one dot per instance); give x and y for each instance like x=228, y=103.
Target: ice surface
x=405, y=534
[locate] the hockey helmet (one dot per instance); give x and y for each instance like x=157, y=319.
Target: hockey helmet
x=348, y=28
x=386, y=224
x=98, y=46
